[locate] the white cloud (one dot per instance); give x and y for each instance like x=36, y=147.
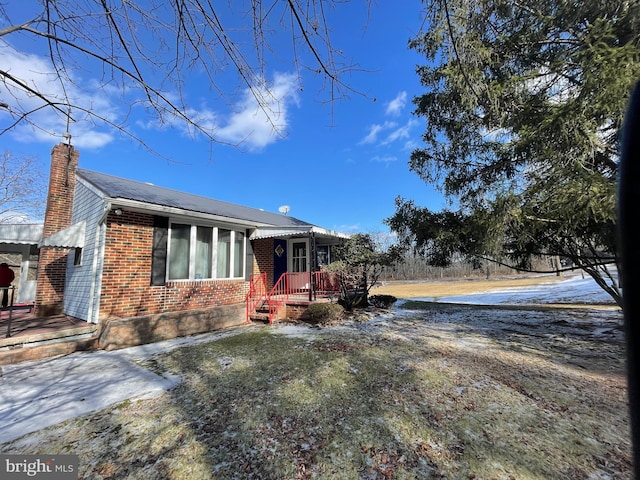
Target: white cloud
x=37, y=73
x=389, y=132
x=374, y=131
x=395, y=106
x=14, y=216
x=410, y=145
x=401, y=133
x=260, y=118
x=347, y=228
x=554, y=85
x=384, y=158
x=501, y=135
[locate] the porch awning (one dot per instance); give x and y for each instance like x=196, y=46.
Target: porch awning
x=20, y=234
x=284, y=232
x=70, y=237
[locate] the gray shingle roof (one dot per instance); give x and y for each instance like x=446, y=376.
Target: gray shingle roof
x=115, y=187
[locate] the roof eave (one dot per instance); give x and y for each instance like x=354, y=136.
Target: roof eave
x=143, y=207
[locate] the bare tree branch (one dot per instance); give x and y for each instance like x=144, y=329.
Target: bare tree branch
x=22, y=189
x=152, y=47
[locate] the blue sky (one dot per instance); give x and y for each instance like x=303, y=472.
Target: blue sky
x=339, y=165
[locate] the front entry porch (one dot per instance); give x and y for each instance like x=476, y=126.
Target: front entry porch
x=293, y=292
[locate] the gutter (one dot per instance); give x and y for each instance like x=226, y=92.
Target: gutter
x=142, y=207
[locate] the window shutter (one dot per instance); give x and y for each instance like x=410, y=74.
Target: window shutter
x=159, y=250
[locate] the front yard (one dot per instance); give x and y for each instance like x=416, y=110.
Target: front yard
x=454, y=392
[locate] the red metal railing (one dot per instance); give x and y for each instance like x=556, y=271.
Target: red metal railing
x=257, y=293
x=290, y=284
x=327, y=283
x=278, y=296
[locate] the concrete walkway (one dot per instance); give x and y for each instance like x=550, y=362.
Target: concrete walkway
x=35, y=395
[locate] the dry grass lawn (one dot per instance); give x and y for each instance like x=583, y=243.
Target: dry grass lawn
x=432, y=392
x=457, y=287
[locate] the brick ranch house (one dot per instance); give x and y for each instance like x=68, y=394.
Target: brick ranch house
x=145, y=263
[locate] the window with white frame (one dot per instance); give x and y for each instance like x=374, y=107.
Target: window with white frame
x=203, y=252
x=323, y=255
x=238, y=260
x=224, y=253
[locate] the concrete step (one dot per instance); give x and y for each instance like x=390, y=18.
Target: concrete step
x=259, y=317
x=49, y=344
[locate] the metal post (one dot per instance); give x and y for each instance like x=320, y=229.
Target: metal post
x=10, y=308
x=312, y=266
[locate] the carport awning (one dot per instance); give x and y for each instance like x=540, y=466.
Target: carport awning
x=20, y=234
x=70, y=237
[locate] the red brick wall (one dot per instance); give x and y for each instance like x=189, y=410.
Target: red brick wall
x=52, y=263
x=263, y=258
x=126, y=277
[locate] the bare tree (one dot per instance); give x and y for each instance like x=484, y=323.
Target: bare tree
x=22, y=189
x=154, y=48
x=360, y=262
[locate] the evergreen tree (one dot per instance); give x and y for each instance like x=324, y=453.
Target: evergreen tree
x=524, y=105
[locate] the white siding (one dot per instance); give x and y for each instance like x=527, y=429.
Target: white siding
x=88, y=205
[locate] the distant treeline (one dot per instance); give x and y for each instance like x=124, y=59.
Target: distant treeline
x=416, y=268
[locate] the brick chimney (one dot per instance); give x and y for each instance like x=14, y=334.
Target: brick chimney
x=52, y=264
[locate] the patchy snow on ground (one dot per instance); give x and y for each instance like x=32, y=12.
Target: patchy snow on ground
x=576, y=290
x=34, y=395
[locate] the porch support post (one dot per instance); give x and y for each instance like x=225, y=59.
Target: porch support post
x=312, y=266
